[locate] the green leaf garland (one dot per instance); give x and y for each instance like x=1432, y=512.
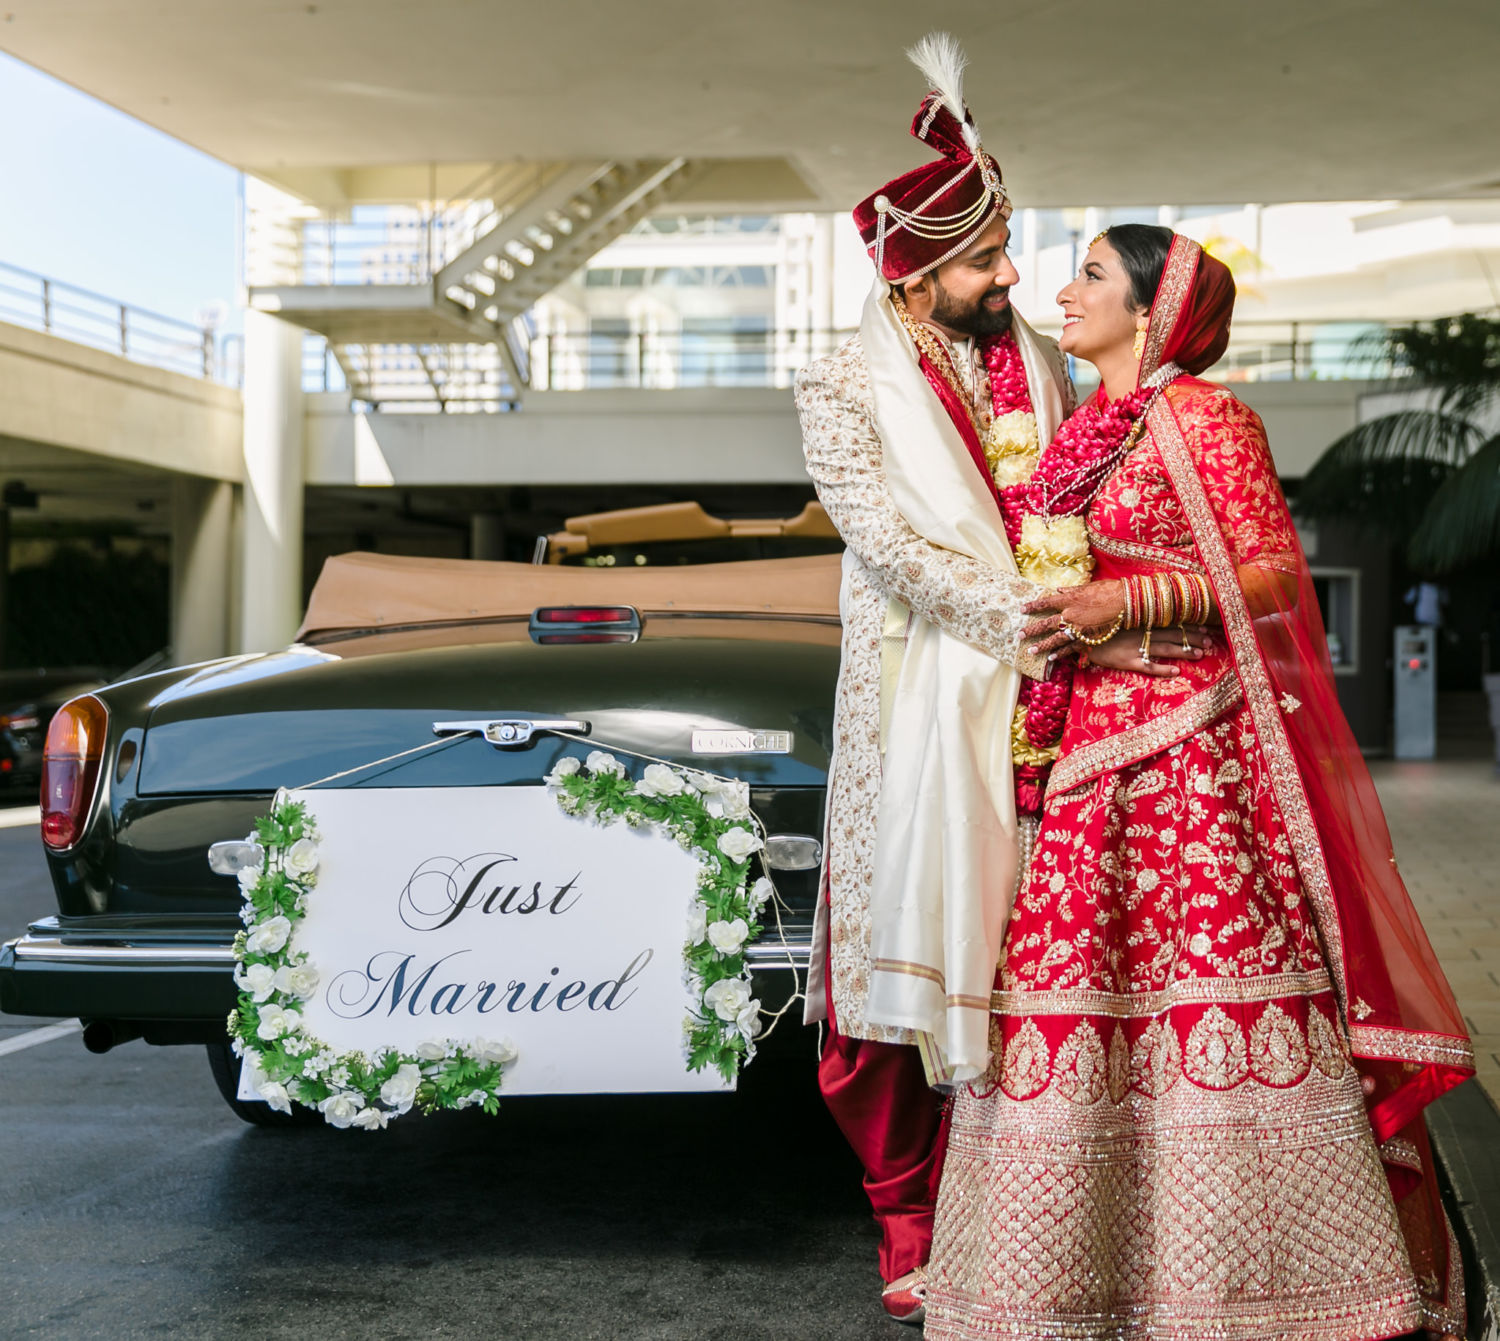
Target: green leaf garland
x=710, y=818
x=707, y=816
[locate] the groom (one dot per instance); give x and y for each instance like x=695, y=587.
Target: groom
x=896, y=427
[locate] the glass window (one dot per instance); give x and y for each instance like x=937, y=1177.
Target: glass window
x=682, y=277
x=1051, y=230
x=1337, y=591
x=609, y=351
x=725, y=351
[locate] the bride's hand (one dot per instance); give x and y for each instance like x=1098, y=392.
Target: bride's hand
x=1088, y=609
x=1123, y=651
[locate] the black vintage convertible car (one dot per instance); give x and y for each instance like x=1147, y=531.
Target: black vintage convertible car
x=726, y=666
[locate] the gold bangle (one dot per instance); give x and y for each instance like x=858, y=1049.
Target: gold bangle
x=1164, y=599
x=1104, y=637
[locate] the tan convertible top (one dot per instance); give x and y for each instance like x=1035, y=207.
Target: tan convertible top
x=381, y=591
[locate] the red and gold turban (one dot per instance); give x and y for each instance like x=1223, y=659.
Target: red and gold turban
x=927, y=216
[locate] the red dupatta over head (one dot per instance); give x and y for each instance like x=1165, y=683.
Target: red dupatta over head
x=1405, y=1031
x=1404, y=1025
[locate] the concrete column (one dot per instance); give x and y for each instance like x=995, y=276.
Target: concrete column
x=271, y=571
x=486, y=536
x=4, y=578
x=202, y=568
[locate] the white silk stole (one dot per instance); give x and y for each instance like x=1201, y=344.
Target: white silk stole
x=947, y=849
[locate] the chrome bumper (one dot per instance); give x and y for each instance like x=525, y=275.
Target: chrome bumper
x=792, y=953
x=56, y=950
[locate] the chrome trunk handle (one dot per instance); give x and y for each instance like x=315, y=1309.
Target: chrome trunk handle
x=511, y=733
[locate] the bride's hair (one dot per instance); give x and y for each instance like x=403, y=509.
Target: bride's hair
x=1142, y=249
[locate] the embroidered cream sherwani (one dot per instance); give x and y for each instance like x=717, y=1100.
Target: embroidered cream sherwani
x=885, y=559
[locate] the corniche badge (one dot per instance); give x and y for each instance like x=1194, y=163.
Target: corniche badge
x=742, y=742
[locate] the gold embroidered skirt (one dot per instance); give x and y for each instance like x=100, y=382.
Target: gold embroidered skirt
x=1251, y=1213
x=1172, y=1142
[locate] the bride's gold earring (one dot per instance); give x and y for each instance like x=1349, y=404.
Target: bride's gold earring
x=1139, y=347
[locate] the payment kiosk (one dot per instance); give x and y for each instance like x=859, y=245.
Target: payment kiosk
x=1416, y=691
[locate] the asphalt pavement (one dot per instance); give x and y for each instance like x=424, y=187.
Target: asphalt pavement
x=136, y=1204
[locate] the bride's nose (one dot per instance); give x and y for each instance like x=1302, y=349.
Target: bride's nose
x=1066, y=294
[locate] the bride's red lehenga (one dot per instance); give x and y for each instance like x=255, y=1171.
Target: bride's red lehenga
x=1217, y=1018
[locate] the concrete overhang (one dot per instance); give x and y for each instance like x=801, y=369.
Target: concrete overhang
x=622, y=438
x=361, y=313
x=115, y=414
x=1087, y=101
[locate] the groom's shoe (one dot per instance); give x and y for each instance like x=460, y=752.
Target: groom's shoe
x=905, y=1298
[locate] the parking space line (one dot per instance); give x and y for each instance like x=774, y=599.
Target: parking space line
x=46, y=1034
x=20, y=816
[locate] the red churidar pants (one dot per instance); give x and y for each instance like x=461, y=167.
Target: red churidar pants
x=879, y=1095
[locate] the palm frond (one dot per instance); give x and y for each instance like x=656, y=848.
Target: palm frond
x=1458, y=358
x=1420, y=435
x=1461, y=524
x=1381, y=475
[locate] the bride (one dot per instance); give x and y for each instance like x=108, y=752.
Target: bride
x=1216, y=1019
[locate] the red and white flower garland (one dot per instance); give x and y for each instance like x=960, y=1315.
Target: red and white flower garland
x=1043, y=496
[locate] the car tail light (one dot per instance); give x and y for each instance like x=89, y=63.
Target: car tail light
x=70, y=769
x=585, y=624
x=19, y=721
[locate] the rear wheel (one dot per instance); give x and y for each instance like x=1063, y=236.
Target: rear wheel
x=226, y=1068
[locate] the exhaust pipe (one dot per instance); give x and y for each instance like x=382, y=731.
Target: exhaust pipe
x=102, y=1035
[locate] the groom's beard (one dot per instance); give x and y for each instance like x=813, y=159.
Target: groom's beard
x=973, y=319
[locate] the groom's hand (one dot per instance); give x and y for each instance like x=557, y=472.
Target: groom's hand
x=1089, y=610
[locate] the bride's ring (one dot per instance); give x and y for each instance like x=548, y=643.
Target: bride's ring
x=1064, y=627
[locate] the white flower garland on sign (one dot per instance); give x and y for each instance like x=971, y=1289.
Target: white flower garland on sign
x=707, y=816
x=710, y=818
x=284, y=1061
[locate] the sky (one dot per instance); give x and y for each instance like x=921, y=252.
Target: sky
x=92, y=197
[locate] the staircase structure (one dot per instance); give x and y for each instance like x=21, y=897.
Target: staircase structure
x=424, y=306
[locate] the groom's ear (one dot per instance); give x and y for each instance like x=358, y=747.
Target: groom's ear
x=918, y=292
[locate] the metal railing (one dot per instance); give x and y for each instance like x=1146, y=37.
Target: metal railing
x=667, y=360
x=135, y=333
x=375, y=245
x=382, y=243
x=320, y=369
x=473, y=376
x=1304, y=351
